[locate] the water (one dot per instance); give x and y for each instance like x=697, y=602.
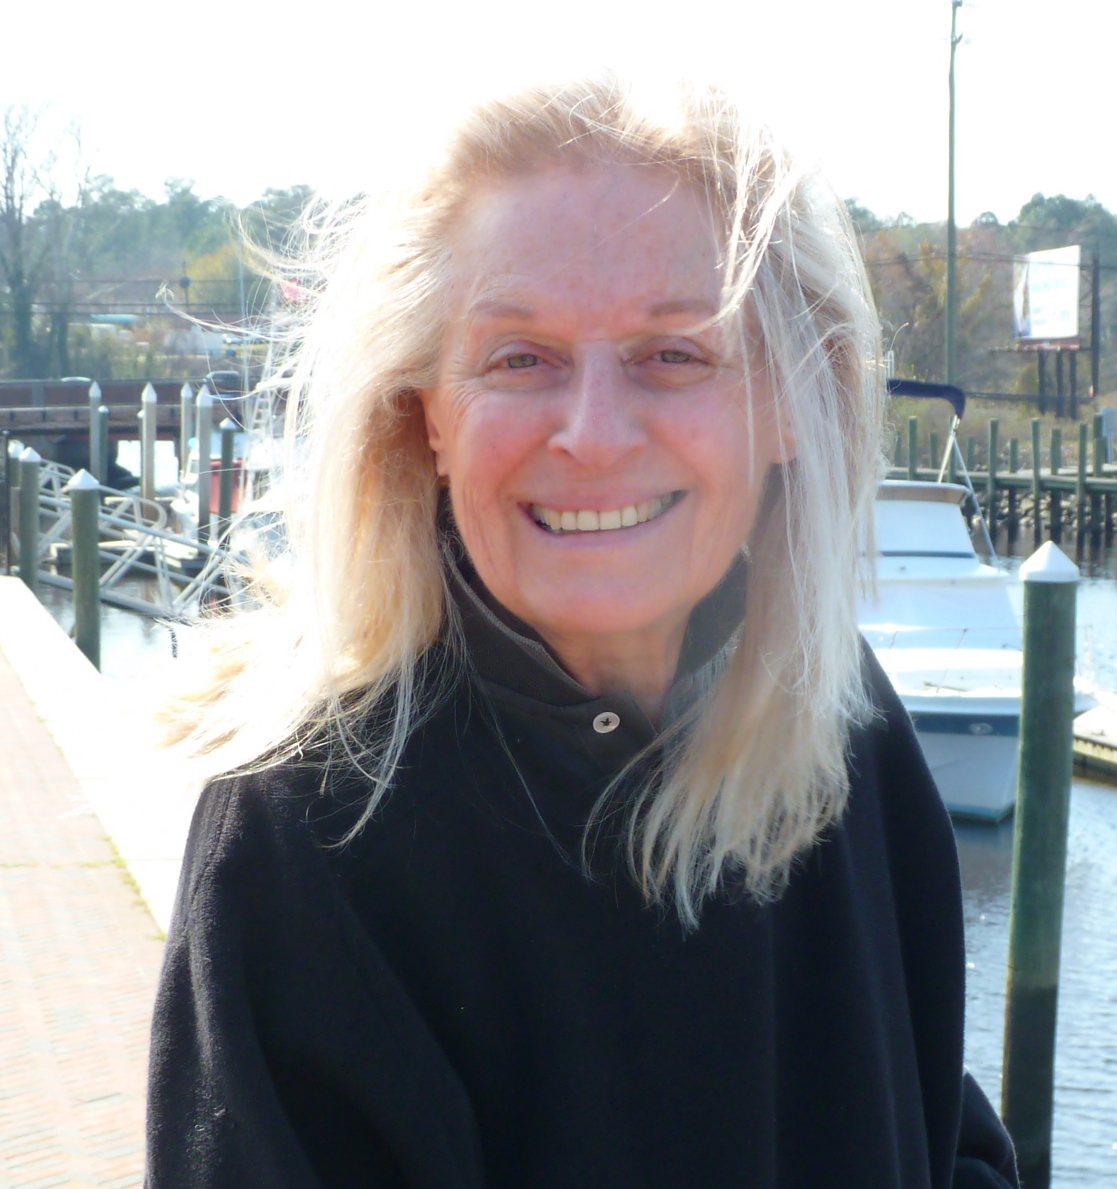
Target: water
x=1085, y=1138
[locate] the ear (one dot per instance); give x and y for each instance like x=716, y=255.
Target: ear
x=428, y=398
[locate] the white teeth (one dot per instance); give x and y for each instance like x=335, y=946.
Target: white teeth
x=589, y=521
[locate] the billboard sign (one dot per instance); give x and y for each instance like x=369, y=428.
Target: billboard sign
x=1045, y=294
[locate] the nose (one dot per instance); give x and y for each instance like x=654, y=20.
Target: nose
x=602, y=422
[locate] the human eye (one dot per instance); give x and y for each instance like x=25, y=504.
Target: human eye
x=672, y=364
x=521, y=365
x=521, y=360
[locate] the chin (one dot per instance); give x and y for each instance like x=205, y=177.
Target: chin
x=594, y=611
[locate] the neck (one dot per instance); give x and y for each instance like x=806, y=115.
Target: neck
x=640, y=663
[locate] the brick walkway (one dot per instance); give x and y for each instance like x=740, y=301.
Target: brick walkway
x=79, y=956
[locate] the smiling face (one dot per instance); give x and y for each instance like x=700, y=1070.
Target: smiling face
x=604, y=452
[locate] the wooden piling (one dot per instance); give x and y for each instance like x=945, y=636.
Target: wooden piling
x=85, y=506
x=1037, y=485
x=148, y=425
x=6, y=482
x=98, y=462
x=991, y=480
x=204, y=425
x=29, y=462
x=1011, y=515
x=1099, y=472
x=185, y=425
x=913, y=448
x=104, y=450
x=225, y=489
x=1080, y=488
x=1055, y=498
x=1039, y=859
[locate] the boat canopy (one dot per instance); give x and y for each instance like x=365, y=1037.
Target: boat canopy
x=927, y=391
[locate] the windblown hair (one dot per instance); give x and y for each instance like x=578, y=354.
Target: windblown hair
x=753, y=778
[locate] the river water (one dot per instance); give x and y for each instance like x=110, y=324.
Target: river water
x=1085, y=1138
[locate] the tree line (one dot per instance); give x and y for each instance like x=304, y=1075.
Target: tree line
x=94, y=279
x=906, y=264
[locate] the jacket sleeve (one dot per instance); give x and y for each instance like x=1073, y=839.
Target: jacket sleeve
x=985, y=1157
x=284, y=1054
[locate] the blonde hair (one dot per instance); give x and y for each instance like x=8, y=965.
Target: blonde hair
x=760, y=772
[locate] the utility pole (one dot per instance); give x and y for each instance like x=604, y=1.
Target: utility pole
x=951, y=229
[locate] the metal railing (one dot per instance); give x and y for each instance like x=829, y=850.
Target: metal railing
x=136, y=541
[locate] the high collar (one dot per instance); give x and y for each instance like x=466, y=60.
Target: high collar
x=514, y=667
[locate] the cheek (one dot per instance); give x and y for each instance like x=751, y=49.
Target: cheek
x=726, y=453
x=480, y=441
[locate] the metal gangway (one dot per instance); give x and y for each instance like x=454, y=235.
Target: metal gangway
x=183, y=574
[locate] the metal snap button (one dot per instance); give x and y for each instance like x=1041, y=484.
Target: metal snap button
x=606, y=721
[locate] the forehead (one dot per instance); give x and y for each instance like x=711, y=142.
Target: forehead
x=616, y=236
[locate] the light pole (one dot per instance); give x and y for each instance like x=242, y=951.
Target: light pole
x=951, y=230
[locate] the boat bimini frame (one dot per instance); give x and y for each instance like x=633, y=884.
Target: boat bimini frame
x=956, y=398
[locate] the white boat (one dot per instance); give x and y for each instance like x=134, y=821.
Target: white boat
x=943, y=627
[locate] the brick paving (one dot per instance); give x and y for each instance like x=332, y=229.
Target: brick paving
x=79, y=957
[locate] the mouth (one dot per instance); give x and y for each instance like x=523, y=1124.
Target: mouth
x=580, y=520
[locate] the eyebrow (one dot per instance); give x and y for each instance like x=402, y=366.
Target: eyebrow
x=495, y=308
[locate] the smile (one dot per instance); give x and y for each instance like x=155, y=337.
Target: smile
x=586, y=521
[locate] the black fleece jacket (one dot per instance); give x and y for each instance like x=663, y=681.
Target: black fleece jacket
x=451, y=1002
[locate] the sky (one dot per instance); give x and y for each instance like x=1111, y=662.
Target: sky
x=240, y=96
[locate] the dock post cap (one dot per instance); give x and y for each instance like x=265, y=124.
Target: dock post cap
x=186, y=392
x=227, y=424
x=205, y=397
x=1049, y=564
x=29, y=454
x=149, y=393
x=82, y=481
x=94, y=393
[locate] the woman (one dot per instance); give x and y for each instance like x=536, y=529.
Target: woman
x=545, y=861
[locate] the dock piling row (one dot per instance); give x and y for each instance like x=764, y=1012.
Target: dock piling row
x=1055, y=490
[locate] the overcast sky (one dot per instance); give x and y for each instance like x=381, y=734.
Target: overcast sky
x=239, y=96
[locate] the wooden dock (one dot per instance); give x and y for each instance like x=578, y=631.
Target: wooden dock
x=91, y=836
x=1095, y=739
x=1047, y=489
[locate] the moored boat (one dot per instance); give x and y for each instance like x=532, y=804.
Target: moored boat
x=943, y=627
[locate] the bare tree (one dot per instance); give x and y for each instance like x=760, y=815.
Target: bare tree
x=23, y=254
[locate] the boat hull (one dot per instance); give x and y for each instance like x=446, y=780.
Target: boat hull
x=973, y=759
